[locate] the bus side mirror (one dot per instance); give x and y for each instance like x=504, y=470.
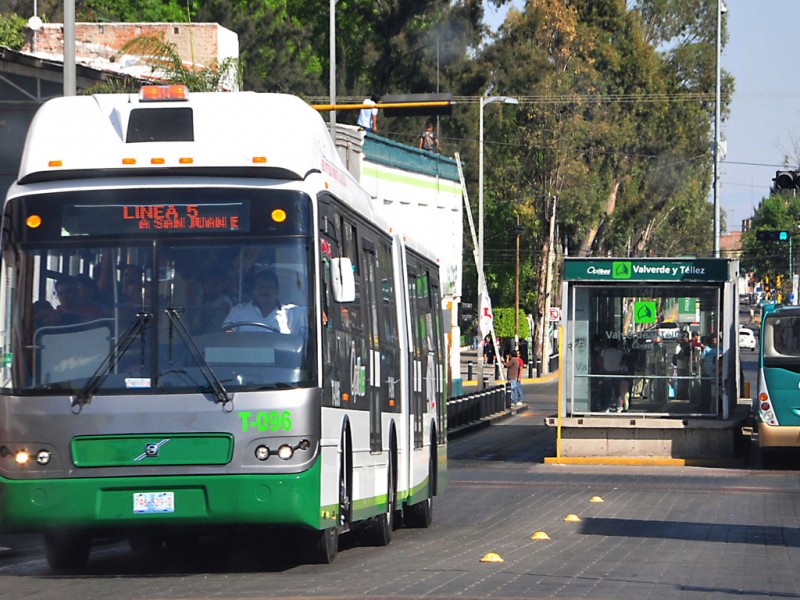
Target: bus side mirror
x=344, y=283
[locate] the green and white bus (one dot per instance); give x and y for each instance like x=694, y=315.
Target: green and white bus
x=132, y=406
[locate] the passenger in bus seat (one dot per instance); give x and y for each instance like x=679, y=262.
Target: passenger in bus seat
x=267, y=309
x=216, y=303
x=44, y=315
x=72, y=308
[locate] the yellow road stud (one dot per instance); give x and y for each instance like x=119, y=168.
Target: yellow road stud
x=492, y=557
x=596, y=499
x=572, y=518
x=540, y=535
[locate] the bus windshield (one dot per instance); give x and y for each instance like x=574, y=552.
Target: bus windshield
x=96, y=307
x=781, y=336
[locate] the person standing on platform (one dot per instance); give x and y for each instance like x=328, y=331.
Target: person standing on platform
x=368, y=117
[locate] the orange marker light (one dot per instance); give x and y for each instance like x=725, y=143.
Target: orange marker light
x=260, y=160
x=279, y=215
x=154, y=93
x=54, y=163
x=186, y=160
x=156, y=161
x=128, y=161
x=33, y=221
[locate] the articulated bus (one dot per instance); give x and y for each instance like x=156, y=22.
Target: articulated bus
x=145, y=393
x=779, y=379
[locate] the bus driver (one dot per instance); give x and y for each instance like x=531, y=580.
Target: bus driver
x=265, y=308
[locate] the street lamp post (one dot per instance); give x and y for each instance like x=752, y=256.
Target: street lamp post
x=721, y=8
x=481, y=281
x=332, y=66
x=517, y=231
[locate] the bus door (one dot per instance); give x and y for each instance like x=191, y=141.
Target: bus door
x=371, y=281
x=389, y=340
x=416, y=350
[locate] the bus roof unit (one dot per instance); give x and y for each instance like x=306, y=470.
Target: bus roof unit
x=207, y=133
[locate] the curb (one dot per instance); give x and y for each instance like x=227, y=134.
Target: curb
x=645, y=461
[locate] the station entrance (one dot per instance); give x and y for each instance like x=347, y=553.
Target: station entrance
x=650, y=340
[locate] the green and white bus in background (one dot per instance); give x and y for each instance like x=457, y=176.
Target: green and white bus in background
x=132, y=404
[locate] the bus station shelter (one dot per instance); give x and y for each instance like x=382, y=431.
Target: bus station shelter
x=651, y=365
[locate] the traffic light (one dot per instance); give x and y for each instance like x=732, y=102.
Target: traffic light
x=773, y=235
x=787, y=180
x=465, y=315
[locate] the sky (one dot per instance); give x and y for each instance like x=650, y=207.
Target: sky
x=763, y=125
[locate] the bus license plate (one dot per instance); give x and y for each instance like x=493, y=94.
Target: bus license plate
x=154, y=502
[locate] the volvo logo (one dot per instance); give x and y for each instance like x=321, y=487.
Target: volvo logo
x=151, y=450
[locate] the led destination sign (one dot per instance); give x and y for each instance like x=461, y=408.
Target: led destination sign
x=127, y=219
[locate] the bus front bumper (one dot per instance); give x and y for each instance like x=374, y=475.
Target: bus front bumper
x=195, y=501
x=778, y=437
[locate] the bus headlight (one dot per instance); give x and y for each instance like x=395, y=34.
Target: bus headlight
x=22, y=457
x=284, y=451
x=262, y=453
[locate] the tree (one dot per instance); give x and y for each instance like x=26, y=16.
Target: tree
x=770, y=258
x=12, y=29
x=126, y=11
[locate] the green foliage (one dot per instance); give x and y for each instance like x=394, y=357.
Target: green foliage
x=12, y=31
x=130, y=11
x=614, y=118
x=772, y=258
x=126, y=11
x=504, y=323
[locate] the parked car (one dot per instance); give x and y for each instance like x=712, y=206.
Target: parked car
x=668, y=330
x=747, y=339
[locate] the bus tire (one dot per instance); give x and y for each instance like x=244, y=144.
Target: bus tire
x=325, y=543
x=326, y=546
x=380, y=528
x=66, y=549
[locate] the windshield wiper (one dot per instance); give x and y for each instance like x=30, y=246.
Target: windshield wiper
x=95, y=382
x=220, y=393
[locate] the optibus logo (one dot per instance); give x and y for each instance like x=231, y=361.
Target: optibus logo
x=621, y=270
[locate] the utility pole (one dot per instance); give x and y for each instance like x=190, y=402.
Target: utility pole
x=542, y=350
x=516, y=290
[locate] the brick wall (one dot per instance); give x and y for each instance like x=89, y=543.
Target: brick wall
x=197, y=43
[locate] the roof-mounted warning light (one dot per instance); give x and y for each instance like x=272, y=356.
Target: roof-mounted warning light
x=163, y=93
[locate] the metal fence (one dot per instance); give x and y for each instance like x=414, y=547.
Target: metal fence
x=469, y=370
x=473, y=407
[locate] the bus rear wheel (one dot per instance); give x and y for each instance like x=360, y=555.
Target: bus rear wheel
x=66, y=549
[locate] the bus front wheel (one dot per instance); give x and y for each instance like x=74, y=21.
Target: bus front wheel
x=66, y=549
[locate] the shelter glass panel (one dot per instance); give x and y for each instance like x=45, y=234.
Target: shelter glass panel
x=646, y=350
